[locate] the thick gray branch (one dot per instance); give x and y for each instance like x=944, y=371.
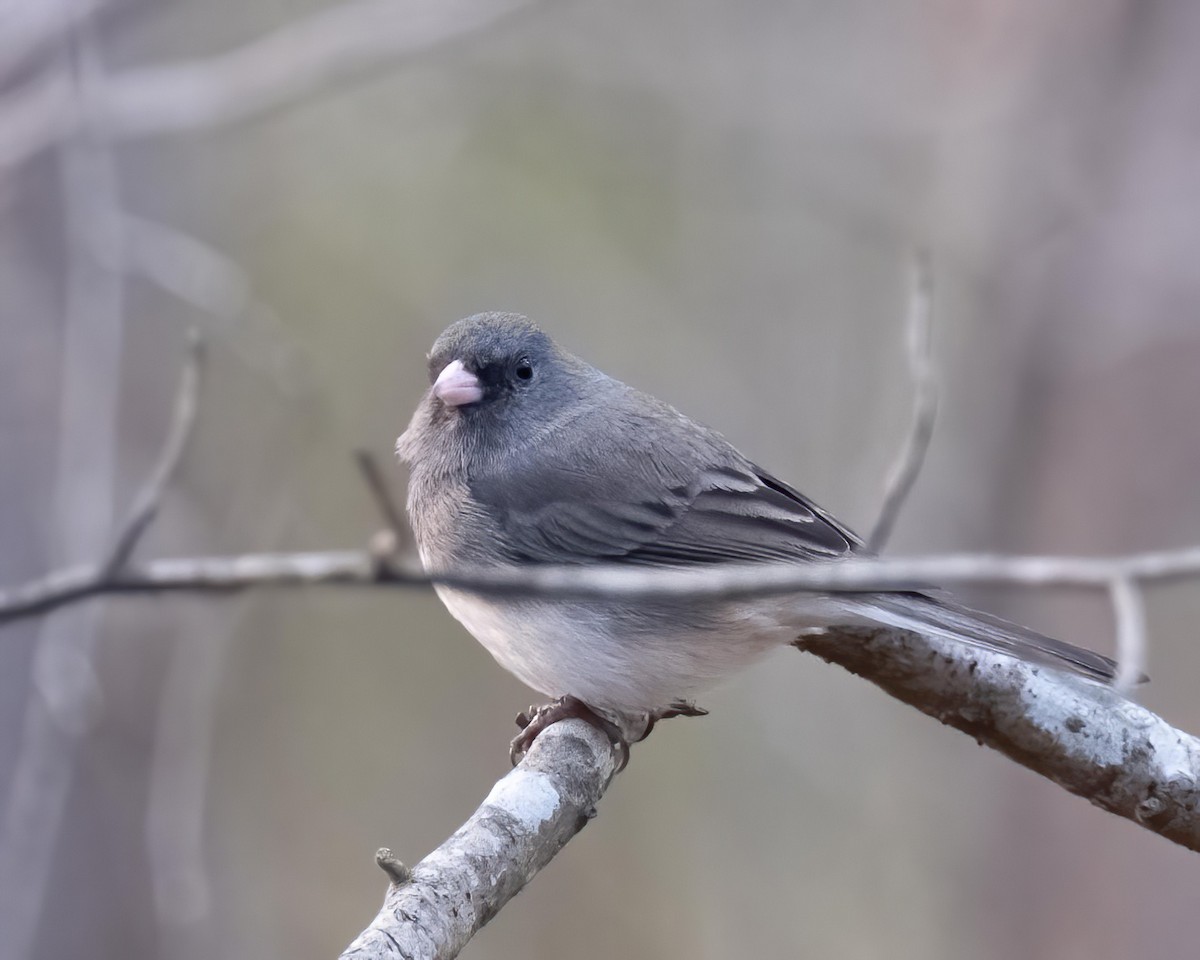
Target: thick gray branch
x=1084, y=736
x=527, y=818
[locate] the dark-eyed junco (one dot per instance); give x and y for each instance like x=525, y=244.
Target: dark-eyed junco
x=521, y=453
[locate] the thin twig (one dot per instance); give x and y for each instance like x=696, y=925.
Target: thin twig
x=226, y=574
x=903, y=474
x=149, y=499
x=390, y=864
x=380, y=493
x=1129, y=614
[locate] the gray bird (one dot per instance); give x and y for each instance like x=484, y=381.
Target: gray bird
x=521, y=453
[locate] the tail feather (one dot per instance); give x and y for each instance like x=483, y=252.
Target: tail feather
x=934, y=616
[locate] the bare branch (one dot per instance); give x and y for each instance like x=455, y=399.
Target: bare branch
x=335, y=44
x=200, y=574
x=359, y=567
x=527, y=818
x=149, y=498
x=904, y=472
x=392, y=516
x=1084, y=736
x=1129, y=612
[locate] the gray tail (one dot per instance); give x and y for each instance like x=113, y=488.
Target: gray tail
x=931, y=616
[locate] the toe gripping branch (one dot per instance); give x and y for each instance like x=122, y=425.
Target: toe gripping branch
x=536, y=719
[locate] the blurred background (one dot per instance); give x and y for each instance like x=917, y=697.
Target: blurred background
x=713, y=201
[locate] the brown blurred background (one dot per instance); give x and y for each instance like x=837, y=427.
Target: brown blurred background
x=713, y=201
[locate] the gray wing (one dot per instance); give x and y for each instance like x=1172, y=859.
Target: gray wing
x=671, y=494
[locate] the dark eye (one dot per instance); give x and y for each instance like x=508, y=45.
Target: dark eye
x=524, y=369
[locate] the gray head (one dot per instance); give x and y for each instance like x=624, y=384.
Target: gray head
x=495, y=380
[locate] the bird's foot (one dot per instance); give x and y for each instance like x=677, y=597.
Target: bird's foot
x=676, y=708
x=537, y=719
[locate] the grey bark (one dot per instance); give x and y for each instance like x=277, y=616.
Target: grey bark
x=1085, y=736
x=528, y=817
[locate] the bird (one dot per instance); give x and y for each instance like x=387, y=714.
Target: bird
x=521, y=453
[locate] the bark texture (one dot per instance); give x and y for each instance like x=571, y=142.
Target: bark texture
x=1085, y=736
x=527, y=818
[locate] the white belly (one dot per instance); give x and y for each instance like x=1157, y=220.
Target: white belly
x=623, y=657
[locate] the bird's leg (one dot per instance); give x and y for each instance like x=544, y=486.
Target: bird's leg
x=537, y=719
x=676, y=708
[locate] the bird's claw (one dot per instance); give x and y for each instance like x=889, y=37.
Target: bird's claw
x=676, y=708
x=533, y=721
x=525, y=717
x=536, y=719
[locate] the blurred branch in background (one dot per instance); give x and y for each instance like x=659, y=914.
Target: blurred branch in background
x=907, y=467
x=203, y=277
x=64, y=698
x=149, y=499
x=329, y=46
x=180, y=783
x=179, y=786
x=30, y=28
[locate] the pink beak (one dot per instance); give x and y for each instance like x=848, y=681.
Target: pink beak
x=456, y=386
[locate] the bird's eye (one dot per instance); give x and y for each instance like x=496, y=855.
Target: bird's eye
x=524, y=369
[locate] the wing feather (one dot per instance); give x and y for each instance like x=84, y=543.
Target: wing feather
x=691, y=500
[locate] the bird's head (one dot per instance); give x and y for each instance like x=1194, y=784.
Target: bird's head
x=496, y=380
